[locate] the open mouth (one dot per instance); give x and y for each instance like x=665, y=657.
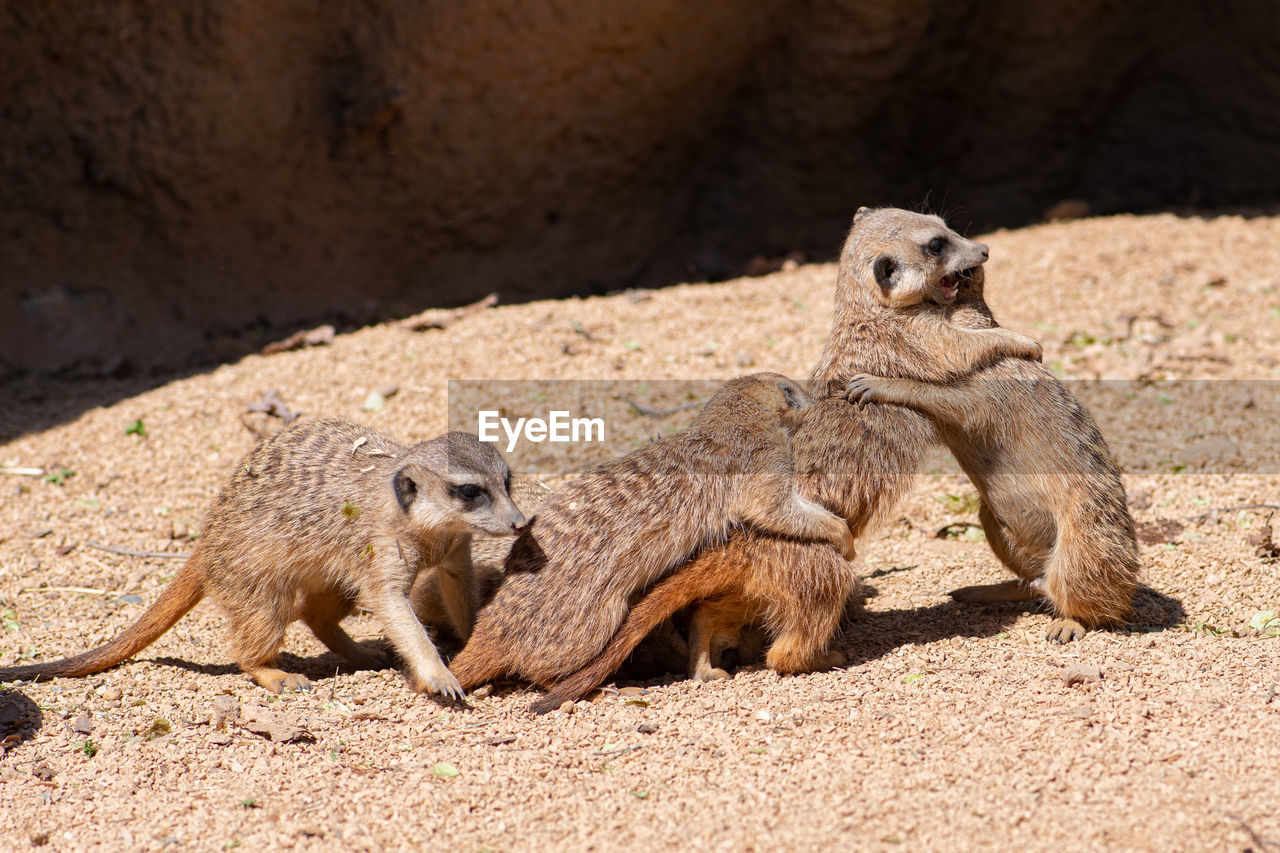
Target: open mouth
x=949, y=285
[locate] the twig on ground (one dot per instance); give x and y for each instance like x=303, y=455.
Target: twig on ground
x=442, y=318
x=126, y=552
x=23, y=472
x=658, y=413
x=879, y=573
x=1218, y=509
x=1257, y=839
x=84, y=590
x=622, y=750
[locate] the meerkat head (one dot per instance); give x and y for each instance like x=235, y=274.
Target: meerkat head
x=457, y=483
x=899, y=259
x=768, y=393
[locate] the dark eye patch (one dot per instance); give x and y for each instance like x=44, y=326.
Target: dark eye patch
x=935, y=246
x=467, y=492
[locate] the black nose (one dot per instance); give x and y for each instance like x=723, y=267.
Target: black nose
x=983, y=250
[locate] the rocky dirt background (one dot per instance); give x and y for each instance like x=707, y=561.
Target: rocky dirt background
x=175, y=176
x=951, y=727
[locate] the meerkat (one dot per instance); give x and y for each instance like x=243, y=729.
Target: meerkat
x=476, y=585
x=316, y=519
x=1052, y=503
x=899, y=274
x=732, y=586
x=625, y=523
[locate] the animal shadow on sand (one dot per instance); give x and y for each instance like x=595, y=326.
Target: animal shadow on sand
x=20, y=718
x=316, y=668
x=871, y=634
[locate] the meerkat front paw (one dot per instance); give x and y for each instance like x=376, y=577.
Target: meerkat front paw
x=1028, y=348
x=440, y=682
x=864, y=388
x=848, y=545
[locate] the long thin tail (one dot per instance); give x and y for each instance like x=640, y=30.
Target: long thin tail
x=180, y=596
x=660, y=602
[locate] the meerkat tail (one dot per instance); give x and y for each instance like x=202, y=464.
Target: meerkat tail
x=664, y=599
x=474, y=666
x=182, y=594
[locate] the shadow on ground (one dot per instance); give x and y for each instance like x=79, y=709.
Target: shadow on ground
x=20, y=718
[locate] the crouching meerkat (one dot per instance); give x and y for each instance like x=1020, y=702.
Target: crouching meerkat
x=900, y=272
x=316, y=519
x=1051, y=500
x=732, y=586
x=625, y=523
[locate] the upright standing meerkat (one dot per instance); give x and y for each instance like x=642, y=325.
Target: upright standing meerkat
x=1051, y=500
x=625, y=523
x=316, y=519
x=899, y=275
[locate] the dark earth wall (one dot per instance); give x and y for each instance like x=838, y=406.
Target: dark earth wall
x=182, y=178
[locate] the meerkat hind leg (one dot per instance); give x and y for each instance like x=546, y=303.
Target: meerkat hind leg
x=703, y=627
x=322, y=613
x=257, y=632
x=1064, y=631
x=459, y=591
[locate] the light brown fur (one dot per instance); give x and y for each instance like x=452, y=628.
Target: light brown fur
x=315, y=519
x=624, y=524
x=752, y=578
x=892, y=316
x=1052, y=503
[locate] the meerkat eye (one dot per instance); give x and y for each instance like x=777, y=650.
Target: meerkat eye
x=935, y=246
x=467, y=492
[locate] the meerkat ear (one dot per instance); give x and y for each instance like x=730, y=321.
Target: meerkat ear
x=794, y=396
x=405, y=487
x=886, y=272
x=861, y=212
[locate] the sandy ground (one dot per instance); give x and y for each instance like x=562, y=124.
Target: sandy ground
x=951, y=728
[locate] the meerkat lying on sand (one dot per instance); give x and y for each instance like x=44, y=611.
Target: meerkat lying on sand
x=625, y=523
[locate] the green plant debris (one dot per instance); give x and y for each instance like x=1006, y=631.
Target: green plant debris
x=159, y=728
x=445, y=770
x=59, y=476
x=10, y=620
x=137, y=428
x=960, y=504
x=350, y=510
x=250, y=804
x=915, y=676
x=90, y=748
x=1266, y=623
